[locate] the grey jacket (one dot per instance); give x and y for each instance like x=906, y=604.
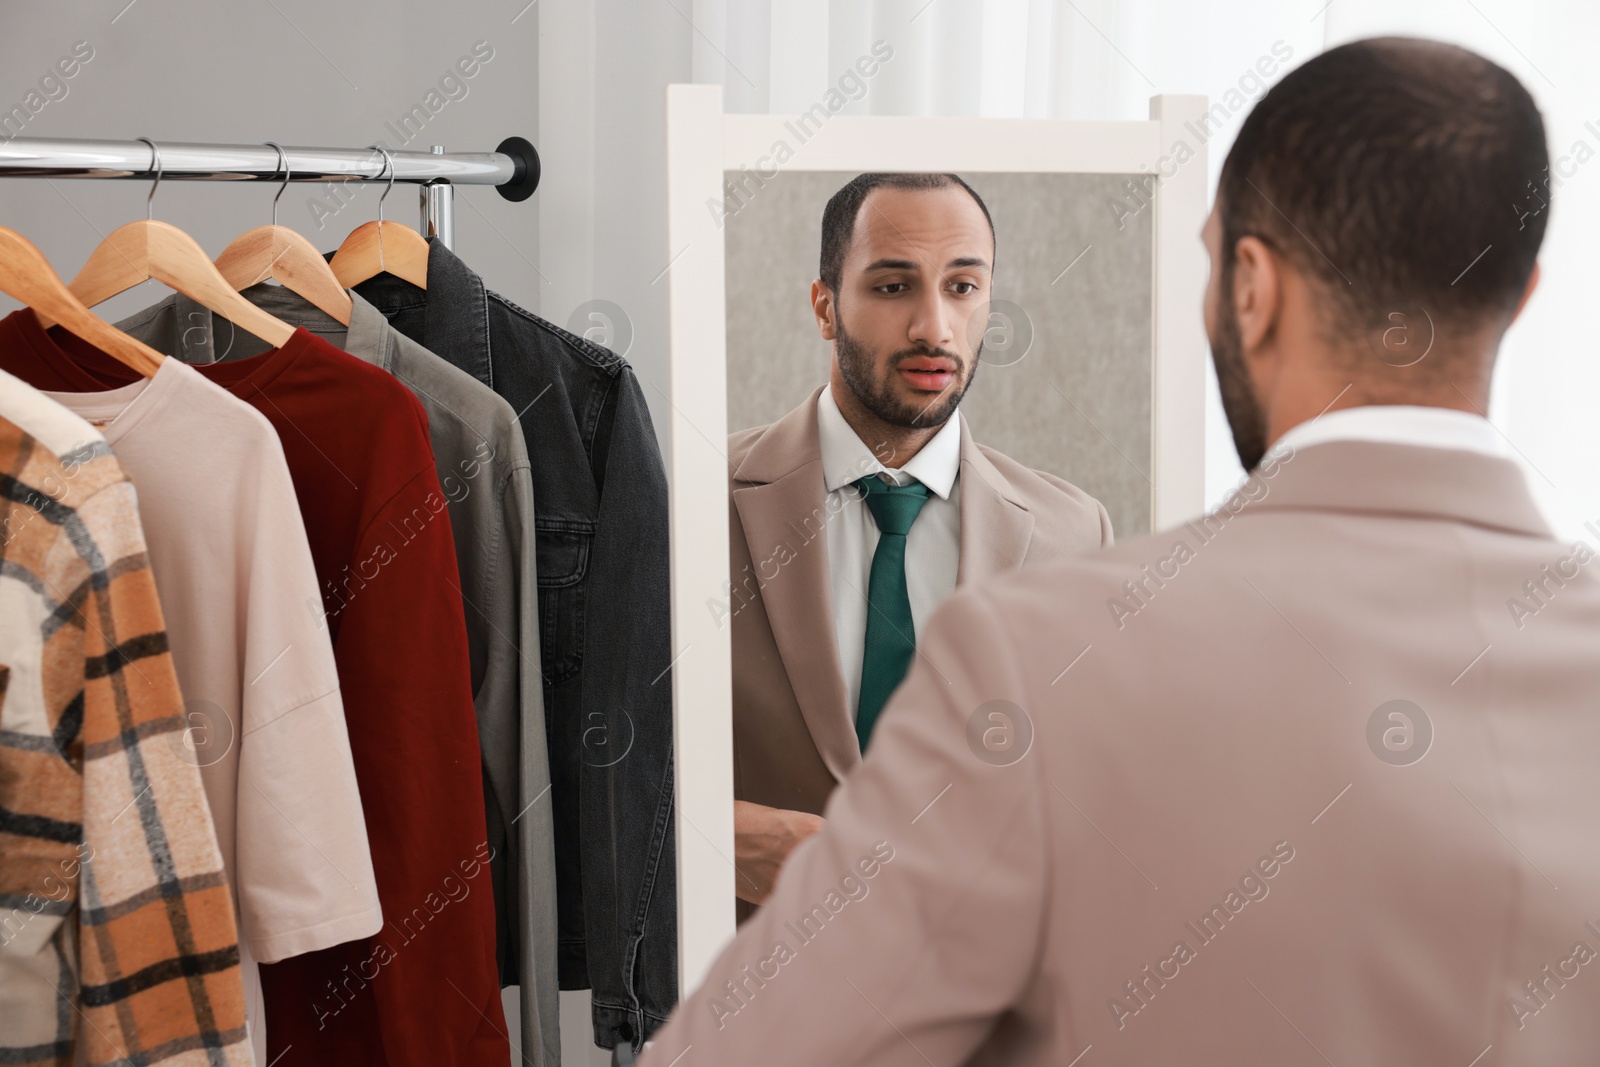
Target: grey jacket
x=483, y=468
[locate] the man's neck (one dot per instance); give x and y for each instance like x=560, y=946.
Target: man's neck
x=892, y=445
x=1309, y=392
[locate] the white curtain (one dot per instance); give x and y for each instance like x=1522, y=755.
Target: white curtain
x=1090, y=59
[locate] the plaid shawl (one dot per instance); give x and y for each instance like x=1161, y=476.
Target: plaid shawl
x=116, y=921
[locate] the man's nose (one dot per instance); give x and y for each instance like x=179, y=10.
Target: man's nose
x=932, y=325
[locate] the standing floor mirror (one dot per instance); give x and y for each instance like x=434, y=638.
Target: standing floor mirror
x=1093, y=364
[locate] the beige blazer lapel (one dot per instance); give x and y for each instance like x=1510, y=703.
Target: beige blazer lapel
x=995, y=527
x=784, y=516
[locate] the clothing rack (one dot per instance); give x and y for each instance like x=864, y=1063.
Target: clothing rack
x=512, y=168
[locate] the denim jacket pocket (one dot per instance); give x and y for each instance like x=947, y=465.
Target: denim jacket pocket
x=563, y=550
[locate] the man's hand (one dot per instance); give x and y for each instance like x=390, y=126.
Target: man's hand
x=763, y=837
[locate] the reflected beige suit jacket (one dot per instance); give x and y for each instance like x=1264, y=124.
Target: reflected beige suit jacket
x=1156, y=805
x=794, y=733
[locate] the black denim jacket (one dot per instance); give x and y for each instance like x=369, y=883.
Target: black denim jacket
x=600, y=512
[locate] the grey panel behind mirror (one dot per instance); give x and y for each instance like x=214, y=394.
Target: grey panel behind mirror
x=1065, y=383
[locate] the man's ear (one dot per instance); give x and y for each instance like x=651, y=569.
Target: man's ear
x=1257, y=292
x=1533, y=283
x=822, y=306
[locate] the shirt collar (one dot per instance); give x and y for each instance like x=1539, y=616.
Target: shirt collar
x=370, y=336
x=845, y=458
x=456, y=309
x=1399, y=424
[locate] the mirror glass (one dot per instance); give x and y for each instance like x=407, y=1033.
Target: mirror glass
x=1063, y=385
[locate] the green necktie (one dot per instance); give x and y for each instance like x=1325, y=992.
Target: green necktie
x=891, y=635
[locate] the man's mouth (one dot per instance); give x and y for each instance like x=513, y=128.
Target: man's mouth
x=928, y=373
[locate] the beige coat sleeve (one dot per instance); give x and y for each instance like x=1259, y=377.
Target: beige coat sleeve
x=899, y=933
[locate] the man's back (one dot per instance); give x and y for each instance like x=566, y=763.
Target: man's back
x=1334, y=682
x=1303, y=790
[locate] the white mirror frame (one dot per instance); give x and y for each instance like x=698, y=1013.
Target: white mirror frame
x=703, y=143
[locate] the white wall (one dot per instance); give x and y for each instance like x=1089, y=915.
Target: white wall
x=294, y=71
x=604, y=68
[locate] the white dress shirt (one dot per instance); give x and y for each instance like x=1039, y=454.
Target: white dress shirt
x=933, y=547
x=1399, y=424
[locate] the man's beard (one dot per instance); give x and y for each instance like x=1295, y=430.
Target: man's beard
x=856, y=367
x=1239, y=401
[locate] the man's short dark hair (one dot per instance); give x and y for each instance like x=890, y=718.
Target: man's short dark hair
x=1399, y=172
x=839, y=217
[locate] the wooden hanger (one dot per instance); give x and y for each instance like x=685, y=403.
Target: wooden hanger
x=374, y=248
x=148, y=249
x=280, y=253
x=27, y=276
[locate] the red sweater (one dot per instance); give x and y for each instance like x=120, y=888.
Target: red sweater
x=425, y=991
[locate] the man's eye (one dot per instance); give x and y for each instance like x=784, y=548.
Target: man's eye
x=963, y=288
x=894, y=286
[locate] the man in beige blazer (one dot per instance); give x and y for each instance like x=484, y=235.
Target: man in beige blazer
x=1315, y=782
x=903, y=295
